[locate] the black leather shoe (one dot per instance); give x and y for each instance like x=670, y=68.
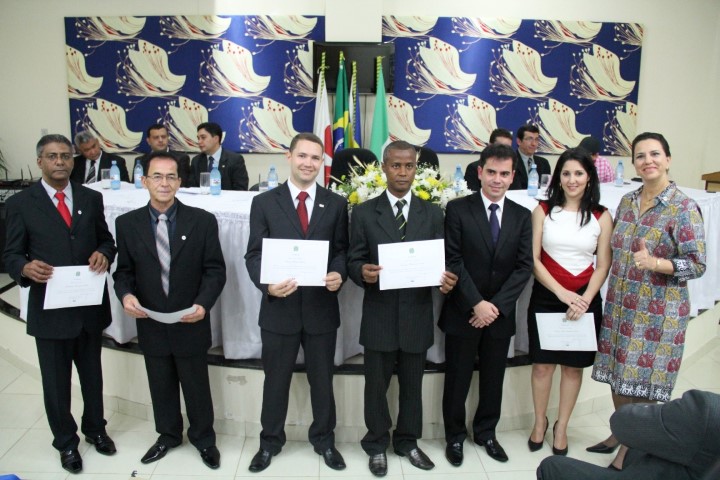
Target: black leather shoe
x=211, y=457
x=601, y=448
x=332, y=458
x=494, y=449
x=558, y=451
x=71, y=461
x=155, y=453
x=417, y=458
x=378, y=464
x=454, y=453
x=260, y=461
x=103, y=443
x=535, y=446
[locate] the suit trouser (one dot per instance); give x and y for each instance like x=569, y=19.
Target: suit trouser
x=279, y=353
x=165, y=375
x=460, y=355
x=56, y=358
x=378, y=373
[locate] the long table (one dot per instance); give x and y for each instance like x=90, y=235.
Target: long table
x=234, y=316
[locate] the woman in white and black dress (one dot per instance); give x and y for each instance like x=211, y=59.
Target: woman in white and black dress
x=571, y=249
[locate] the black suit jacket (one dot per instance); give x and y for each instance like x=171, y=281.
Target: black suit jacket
x=496, y=274
x=183, y=165
x=78, y=172
x=35, y=230
x=197, y=276
x=233, y=173
x=399, y=319
x=471, y=176
x=273, y=215
x=520, y=182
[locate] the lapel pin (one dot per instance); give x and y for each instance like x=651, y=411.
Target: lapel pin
x=183, y=237
x=79, y=212
x=321, y=205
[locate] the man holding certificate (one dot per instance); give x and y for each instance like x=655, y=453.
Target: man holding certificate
x=170, y=261
x=488, y=244
x=298, y=307
x=58, y=223
x=397, y=323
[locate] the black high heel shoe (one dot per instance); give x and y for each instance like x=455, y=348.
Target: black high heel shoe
x=558, y=451
x=535, y=446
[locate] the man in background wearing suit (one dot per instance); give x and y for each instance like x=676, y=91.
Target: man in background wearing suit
x=233, y=173
x=157, y=138
x=397, y=325
x=58, y=223
x=528, y=138
x=676, y=440
x=92, y=160
x=169, y=259
x=292, y=315
x=499, y=135
x=488, y=245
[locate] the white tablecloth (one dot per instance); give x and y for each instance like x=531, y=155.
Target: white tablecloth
x=234, y=316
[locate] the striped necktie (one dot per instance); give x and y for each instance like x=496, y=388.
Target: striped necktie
x=400, y=218
x=91, y=173
x=162, y=240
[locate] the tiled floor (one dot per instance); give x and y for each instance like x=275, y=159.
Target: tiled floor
x=25, y=444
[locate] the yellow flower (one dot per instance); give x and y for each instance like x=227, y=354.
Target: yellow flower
x=424, y=195
x=378, y=178
x=432, y=181
x=353, y=198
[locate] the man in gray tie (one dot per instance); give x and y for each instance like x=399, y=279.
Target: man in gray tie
x=92, y=160
x=170, y=260
x=528, y=140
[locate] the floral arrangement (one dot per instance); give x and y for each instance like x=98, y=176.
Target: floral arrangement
x=369, y=181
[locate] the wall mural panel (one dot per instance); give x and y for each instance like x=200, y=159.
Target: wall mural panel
x=456, y=79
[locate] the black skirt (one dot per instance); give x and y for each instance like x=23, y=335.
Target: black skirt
x=544, y=301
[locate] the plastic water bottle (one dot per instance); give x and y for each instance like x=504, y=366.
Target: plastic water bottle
x=533, y=181
x=619, y=174
x=272, y=178
x=114, y=176
x=458, y=178
x=137, y=174
x=215, y=180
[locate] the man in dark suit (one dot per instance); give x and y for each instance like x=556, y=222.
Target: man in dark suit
x=499, y=135
x=51, y=224
x=677, y=440
x=397, y=325
x=157, y=138
x=488, y=245
x=233, y=173
x=92, y=160
x=528, y=138
x=169, y=260
x=292, y=315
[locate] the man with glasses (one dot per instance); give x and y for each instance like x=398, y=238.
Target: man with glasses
x=528, y=139
x=397, y=325
x=170, y=261
x=51, y=224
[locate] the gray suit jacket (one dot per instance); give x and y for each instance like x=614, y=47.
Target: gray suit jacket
x=392, y=319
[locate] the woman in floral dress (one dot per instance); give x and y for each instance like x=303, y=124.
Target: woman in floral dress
x=658, y=245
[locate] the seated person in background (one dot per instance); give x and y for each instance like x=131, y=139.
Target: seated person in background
x=499, y=135
x=675, y=440
x=157, y=138
x=92, y=159
x=231, y=165
x=604, y=170
x=528, y=139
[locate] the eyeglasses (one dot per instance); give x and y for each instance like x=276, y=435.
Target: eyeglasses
x=158, y=178
x=54, y=156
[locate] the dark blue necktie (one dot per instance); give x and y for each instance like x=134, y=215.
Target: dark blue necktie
x=494, y=223
x=211, y=162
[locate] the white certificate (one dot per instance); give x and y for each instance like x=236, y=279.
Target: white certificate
x=411, y=264
x=74, y=286
x=558, y=333
x=173, y=317
x=305, y=261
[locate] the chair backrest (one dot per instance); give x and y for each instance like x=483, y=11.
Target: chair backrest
x=428, y=157
x=344, y=159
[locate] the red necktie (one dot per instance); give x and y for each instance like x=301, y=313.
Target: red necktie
x=302, y=211
x=62, y=208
